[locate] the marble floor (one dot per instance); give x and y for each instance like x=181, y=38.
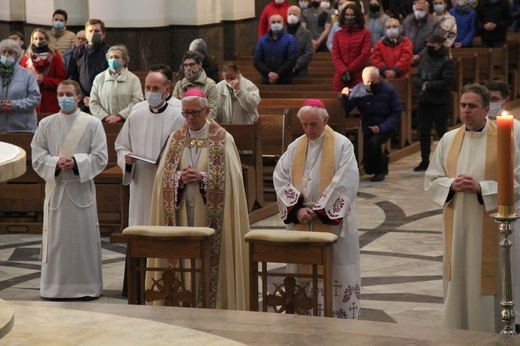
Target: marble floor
x=400, y=242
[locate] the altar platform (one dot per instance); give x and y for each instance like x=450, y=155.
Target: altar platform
x=401, y=292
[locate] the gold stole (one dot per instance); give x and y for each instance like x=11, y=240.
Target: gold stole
x=326, y=172
x=489, y=271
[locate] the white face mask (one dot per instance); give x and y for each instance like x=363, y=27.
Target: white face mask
x=325, y=5
x=419, y=14
x=304, y=5
x=292, y=19
x=392, y=33
x=154, y=99
x=276, y=27
x=495, y=108
x=279, y=2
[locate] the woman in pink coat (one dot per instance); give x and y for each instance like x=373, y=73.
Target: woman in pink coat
x=350, y=48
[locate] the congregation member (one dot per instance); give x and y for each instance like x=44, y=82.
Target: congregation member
x=81, y=39
x=447, y=23
x=433, y=81
x=317, y=19
x=60, y=37
x=278, y=7
x=209, y=65
x=462, y=178
x=303, y=5
x=350, y=48
x=69, y=149
x=144, y=133
x=44, y=61
x=493, y=19
x=199, y=183
x=465, y=17
x=335, y=25
x=18, y=37
x=116, y=90
x=418, y=26
x=276, y=54
x=20, y=94
x=89, y=60
x=380, y=108
x=376, y=19
x=316, y=181
x=238, y=97
x=195, y=77
x=392, y=54
x=303, y=42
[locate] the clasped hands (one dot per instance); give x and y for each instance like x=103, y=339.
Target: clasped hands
x=305, y=215
x=66, y=163
x=190, y=175
x=465, y=183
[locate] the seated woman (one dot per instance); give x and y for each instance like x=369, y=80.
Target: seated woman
x=392, y=55
x=19, y=95
x=116, y=90
x=45, y=62
x=238, y=97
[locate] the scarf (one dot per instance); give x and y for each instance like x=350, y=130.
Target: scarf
x=6, y=73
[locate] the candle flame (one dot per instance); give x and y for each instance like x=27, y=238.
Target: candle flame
x=505, y=114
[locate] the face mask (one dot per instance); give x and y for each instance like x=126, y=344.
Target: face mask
x=374, y=8
x=279, y=2
x=292, y=19
x=304, y=5
x=371, y=87
x=315, y=3
x=7, y=61
x=114, y=64
x=193, y=75
x=154, y=99
x=350, y=21
x=67, y=103
x=438, y=8
x=276, y=27
x=392, y=33
x=431, y=50
x=494, y=109
x=325, y=5
x=419, y=15
x=94, y=38
x=58, y=25
x=41, y=44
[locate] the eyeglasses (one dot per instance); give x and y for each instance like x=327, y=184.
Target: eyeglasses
x=191, y=64
x=192, y=113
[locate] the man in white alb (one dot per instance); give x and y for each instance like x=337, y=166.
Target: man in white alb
x=316, y=182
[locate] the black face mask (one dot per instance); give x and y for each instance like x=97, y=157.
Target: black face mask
x=315, y=3
x=374, y=8
x=431, y=50
x=350, y=21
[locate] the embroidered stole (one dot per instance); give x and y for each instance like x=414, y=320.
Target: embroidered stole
x=489, y=271
x=215, y=190
x=67, y=149
x=326, y=172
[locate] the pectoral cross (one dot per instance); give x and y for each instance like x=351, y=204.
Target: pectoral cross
x=306, y=179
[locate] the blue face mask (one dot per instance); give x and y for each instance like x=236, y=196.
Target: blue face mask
x=114, y=64
x=439, y=8
x=7, y=61
x=67, y=103
x=276, y=27
x=58, y=25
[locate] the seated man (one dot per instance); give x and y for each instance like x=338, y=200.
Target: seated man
x=276, y=54
x=380, y=108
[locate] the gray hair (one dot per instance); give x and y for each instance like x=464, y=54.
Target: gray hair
x=199, y=45
x=322, y=112
x=203, y=102
x=124, y=51
x=12, y=45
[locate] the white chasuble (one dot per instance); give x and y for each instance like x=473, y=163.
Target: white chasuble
x=335, y=205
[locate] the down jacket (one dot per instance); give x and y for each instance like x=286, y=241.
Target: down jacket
x=437, y=72
x=397, y=56
x=350, y=53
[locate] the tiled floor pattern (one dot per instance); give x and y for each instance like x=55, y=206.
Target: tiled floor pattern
x=400, y=241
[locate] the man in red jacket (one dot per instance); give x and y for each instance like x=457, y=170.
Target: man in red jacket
x=275, y=7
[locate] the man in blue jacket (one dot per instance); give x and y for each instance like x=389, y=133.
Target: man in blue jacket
x=380, y=107
x=276, y=54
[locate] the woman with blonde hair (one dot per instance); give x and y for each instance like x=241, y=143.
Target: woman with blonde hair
x=376, y=19
x=45, y=62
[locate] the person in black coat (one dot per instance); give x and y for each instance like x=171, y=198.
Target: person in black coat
x=433, y=81
x=493, y=19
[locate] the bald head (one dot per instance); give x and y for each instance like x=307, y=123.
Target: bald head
x=275, y=18
x=294, y=10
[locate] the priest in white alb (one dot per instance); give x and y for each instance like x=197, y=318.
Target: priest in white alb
x=462, y=178
x=199, y=183
x=316, y=181
x=69, y=149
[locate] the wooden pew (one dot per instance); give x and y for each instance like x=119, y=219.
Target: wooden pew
x=248, y=139
x=404, y=88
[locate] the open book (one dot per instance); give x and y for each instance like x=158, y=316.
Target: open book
x=153, y=162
